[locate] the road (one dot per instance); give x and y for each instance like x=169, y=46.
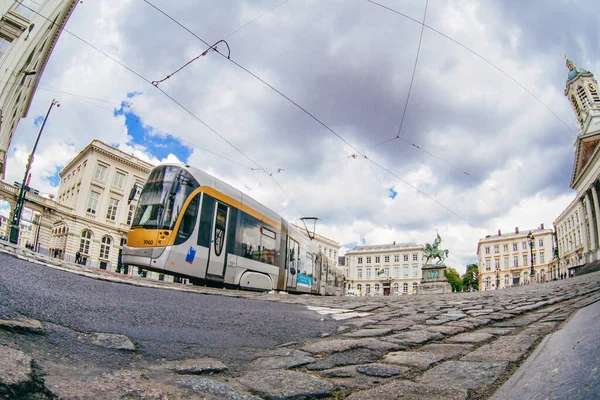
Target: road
x=204, y=343
x=163, y=323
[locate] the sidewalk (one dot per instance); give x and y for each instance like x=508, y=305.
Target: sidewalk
x=564, y=365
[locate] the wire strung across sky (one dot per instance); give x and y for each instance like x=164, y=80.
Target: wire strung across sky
x=573, y=133
x=187, y=110
x=304, y=109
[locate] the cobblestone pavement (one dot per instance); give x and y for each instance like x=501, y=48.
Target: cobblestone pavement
x=454, y=346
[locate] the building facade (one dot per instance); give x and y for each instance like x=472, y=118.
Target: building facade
x=389, y=269
x=96, y=187
x=328, y=246
x=578, y=226
x=29, y=30
x=505, y=259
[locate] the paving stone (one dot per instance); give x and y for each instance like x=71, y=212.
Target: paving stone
x=505, y=348
x=496, y=331
x=22, y=325
x=379, y=370
x=515, y=323
x=418, y=359
x=447, y=350
x=195, y=366
x=15, y=367
x=407, y=390
x=464, y=374
x=413, y=337
x=470, y=337
x=110, y=341
x=395, y=325
x=348, y=357
x=369, y=333
x=286, y=385
x=331, y=346
x=350, y=379
x=120, y=384
x=444, y=329
x=220, y=390
x=282, y=360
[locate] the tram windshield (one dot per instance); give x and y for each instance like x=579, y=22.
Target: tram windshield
x=162, y=197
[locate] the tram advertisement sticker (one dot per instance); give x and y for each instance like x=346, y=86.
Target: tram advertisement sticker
x=304, y=280
x=190, y=255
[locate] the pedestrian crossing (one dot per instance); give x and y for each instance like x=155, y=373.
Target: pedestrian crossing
x=338, y=314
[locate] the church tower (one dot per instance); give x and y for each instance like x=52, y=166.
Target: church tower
x=582, y=92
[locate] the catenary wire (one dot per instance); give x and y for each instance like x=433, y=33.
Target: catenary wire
x=298, y=106
x=572, y=132
x=164, y=93
x=412, y=78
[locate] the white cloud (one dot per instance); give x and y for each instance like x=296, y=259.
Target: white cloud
x=487, y=150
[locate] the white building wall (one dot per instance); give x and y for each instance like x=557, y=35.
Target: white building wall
x=505, y=259
x=26, y=42
x=370, y=270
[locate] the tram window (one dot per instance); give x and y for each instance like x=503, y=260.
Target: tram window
x=251, y=238
x=268, y=244
x=188, y=222
x=206, y=216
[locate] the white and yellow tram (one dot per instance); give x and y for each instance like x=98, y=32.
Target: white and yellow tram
x=190, y=224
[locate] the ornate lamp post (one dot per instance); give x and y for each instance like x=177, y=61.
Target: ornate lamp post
x=530, y=240
x=16, y=220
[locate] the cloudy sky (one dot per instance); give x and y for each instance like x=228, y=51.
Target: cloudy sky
x=485, y=137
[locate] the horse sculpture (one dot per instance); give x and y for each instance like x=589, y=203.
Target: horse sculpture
x=433, y=251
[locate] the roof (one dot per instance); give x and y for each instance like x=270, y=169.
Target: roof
x=393, y=246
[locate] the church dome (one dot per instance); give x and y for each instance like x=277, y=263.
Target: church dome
x=573, y=70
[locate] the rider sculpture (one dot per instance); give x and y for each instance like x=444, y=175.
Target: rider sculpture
x=435, y=252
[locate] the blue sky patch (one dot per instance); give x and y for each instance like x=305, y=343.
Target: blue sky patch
x=393, y=193
x=38, y=121
x=159, y=146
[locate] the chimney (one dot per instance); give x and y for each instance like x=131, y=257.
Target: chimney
x=542, y=226
x=499, y=232
x=516, y=229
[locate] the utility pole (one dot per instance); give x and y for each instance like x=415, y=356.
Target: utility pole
x=16, y=220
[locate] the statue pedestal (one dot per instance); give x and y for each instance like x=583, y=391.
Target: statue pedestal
x=434, y=280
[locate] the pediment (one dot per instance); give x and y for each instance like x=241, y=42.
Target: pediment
x=587, y=150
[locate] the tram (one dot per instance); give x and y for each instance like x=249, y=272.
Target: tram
x=192, y=225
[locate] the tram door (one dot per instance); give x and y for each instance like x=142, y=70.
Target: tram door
x=218, y=241
x=293, y=255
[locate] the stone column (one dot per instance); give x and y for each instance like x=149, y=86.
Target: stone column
x=597, y=219
x=588, y=208
x=584, y=231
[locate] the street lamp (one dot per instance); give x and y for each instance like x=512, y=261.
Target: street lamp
x=530, y=240
x=16, y=220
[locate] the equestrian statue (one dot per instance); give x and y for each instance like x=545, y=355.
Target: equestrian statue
x=435, y=252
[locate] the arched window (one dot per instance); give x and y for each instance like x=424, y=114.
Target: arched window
x=396, y=287
x=405, y=287
x=377, y=288
x=84, y=244
x=105, y=247
x=575, y=104
x=415, y=284
x=585, y=101
x=487, y=282
x=368, y=288
x=359, y=288
x=349, y=286
x=506, y=280
x=130, y=214
x=594, y=93
x=542, y=276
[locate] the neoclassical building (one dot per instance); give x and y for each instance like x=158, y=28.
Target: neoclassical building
x=384, y=269
x=577, y=227
x=94, y=188
x=29, y=30
x=505, y=258
x=328, y=246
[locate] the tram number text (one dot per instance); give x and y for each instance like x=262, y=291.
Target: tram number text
x=151, y=242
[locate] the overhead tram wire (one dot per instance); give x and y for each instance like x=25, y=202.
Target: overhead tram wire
x=302, y=109
x=573, y=133
x=163, y=92
x=412, y=78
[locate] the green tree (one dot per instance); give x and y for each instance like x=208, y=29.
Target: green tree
x=468, y=280
x=454, y=279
